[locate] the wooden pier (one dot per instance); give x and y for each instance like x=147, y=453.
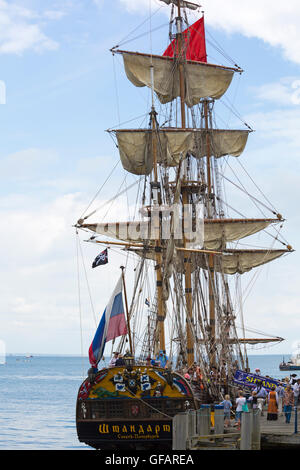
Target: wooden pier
x=203, y=430
x=279, y=435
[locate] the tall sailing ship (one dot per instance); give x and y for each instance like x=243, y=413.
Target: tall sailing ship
x=185, y=242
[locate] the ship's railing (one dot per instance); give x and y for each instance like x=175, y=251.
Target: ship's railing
x=130, y=408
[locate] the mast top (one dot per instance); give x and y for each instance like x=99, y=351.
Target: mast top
x=189, y=5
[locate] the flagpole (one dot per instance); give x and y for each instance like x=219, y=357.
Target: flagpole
x=127, y=313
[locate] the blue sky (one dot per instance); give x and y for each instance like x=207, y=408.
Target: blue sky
x=61, y=96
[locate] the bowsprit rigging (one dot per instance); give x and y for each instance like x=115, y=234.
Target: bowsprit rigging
x=186, y=244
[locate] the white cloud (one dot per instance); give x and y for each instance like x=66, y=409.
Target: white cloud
x=142, y=6
x=286, y=92
x=31, y=164
x=38, y=228
x=296, y=347
x=39, y=279
x=99, y=3
x=20, y=30
x=54, y=14
x=281, y=126
x=39, y=303
x=276, y=23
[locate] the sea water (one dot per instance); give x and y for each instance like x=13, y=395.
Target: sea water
x=38, y=402
x=38, y=399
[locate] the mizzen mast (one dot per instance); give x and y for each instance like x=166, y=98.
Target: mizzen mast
x=211, y=272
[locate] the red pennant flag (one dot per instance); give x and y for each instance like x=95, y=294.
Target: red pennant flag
x=194, y=43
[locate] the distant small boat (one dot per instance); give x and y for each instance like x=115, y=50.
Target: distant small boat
x=293, y=363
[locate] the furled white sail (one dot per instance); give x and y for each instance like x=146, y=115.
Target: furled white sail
x=202, y=79
x=221, y=231
x=222, y=142
x=230, y=262
x=135, y=149
x=217, y=232
x=135, y=146
x=242, y=261
x=134, y=152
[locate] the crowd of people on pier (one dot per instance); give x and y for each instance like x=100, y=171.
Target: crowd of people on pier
x=276, y=402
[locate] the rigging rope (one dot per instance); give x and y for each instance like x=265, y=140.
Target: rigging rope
x=98, y=192
x=275, y=212
x=113, y=199
x=145, y=403
x=87, y=282
x=243, y=189
x=116, y=88
x=123, y=41
x=252, y=330
x=219, y=48
x=127, y=122
x=140, y=36
x=264, y=230
x=234, y=98
x=254, y=278
x=234, y=111
x=79, y=301
x=257, y=187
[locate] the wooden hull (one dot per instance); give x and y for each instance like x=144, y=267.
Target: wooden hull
x=131, y=409
x=123, y=434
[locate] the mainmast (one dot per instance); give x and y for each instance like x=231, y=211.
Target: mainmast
x=156, y=219
x=185, y=200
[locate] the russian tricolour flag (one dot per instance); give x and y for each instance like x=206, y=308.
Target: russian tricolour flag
x=112, y=325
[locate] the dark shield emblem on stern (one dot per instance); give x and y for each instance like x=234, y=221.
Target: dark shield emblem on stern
x=135, y=409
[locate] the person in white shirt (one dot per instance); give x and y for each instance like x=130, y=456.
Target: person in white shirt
x=280, y=393
x=113, y=360
x=240, y=401
x=296, y=390
x=261, y=394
